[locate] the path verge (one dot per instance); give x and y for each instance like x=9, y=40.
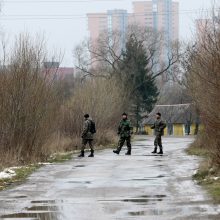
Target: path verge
x=207, y=175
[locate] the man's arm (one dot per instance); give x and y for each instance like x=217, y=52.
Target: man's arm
x=85, y=128
x=119, y=128
x=162, y=125
x=153, y=126
x=130, y=128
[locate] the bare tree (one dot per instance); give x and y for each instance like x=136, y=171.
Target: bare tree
x=29, y=104
x=104, y=57
x=202, y=65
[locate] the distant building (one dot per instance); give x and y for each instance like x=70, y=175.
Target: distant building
x=181, y=119
x=160, y=15
x=99, y=23
x=53, y=71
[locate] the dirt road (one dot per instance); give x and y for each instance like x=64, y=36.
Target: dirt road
x=111, y=187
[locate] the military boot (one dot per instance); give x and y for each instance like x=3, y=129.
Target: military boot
x=128, y=152
x=91, y=154
x=117, y=151
x=155, y=151
x=81, y=154
x=161, y=151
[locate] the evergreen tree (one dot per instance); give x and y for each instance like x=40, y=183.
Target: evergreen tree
x=143, y=91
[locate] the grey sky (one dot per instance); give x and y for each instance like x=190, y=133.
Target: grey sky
x=63, y=33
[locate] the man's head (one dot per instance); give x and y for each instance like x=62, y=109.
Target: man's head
x=158, y=115
x=86, y=116
x=124, y=116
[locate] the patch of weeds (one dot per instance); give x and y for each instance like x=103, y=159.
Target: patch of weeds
x=21, y=174
x=210, y=180
x=60, y=157
x=197, y=151
x=201, y=175
x=214, y=190
x=207, y=175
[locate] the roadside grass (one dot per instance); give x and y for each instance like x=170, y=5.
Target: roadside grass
x=61, y=157
x=210, y=181
x=208, y=176
x=21, y=173
x=197, y=151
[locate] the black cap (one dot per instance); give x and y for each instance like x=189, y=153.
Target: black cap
x=86, y=116
x=158, y=113
x=124, y=114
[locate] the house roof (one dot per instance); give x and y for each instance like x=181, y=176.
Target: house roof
x=175, y=114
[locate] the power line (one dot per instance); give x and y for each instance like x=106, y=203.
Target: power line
x=58, y=1
x=82, y=16
x=114, y=15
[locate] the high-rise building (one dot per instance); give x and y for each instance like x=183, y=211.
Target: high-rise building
x=99, y=23
x=160, y=15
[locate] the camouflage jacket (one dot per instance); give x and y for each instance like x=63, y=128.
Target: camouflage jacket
x=125, y=129
x=159, y=127
x=86, y=134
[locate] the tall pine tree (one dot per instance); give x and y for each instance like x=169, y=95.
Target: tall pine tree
x=142, y=88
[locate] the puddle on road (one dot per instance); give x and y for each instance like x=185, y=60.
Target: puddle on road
x=154, y=196
x=79, y=182
x=37, y=216
x=144, y=199
x=147, y=178
x=38, y=212
x=44, y=201
x=19, y=197
x=140, y=213
x=78, y=166
x=42, y=208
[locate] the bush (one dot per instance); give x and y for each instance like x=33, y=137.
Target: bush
x=103, y=100
x=40, y=116
x=29, y=103
x=203, y=79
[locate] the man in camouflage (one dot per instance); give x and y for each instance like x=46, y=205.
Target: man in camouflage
x=87, y=137
x=125, y=131
x=159, y=127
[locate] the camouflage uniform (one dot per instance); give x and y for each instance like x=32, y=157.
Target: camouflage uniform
x=87, y=136
x=125, y=130
x=159, y=127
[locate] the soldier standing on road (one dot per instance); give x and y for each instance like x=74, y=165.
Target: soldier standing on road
x=125, y=131
x=159, y=127
x=87, y=135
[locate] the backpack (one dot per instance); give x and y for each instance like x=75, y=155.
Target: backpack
x=92, y=127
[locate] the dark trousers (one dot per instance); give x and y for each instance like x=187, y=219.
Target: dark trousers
x=122, y=141
x=85, y=142
x=158, y=141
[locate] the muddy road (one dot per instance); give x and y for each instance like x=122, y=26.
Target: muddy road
x=111, y=187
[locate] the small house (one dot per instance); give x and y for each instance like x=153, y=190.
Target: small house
x=181, y=119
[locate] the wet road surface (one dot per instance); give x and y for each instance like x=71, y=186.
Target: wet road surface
x=111, y=187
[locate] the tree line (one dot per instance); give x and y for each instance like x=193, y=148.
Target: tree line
x=40, y=115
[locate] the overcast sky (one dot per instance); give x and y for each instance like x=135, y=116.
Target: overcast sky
x=64, y=22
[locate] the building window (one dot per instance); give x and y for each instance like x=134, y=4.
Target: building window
x=155, y=8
